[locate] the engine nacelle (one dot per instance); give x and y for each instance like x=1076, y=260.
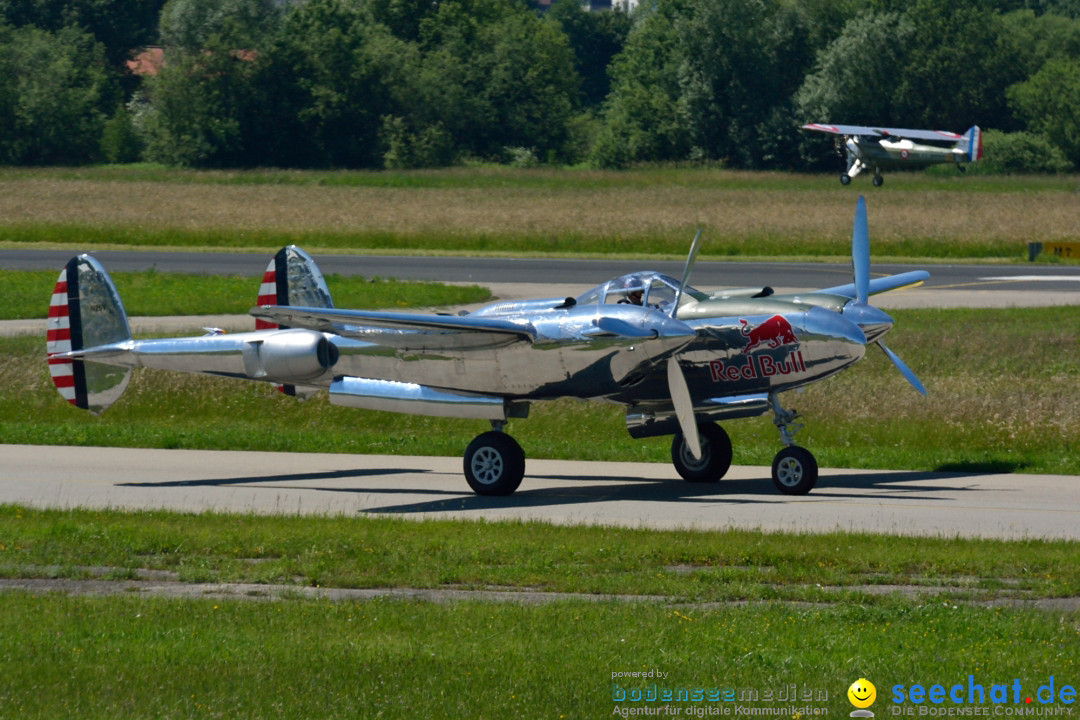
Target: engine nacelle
x=289, y=356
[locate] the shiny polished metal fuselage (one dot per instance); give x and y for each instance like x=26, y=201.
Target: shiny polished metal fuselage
x=572, y=352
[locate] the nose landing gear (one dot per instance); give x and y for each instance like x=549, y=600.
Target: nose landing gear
x=794, y=469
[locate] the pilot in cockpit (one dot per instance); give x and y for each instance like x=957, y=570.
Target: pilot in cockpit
x=632, y=290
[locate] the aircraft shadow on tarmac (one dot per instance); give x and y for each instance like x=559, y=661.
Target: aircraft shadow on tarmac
x=587, y=488
x=289, y=477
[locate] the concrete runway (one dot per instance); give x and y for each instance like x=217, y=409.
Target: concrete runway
x=649, y=495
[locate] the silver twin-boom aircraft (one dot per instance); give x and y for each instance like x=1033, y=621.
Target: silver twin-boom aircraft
x=679, y=359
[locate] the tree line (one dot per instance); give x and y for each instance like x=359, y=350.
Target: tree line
x=427, y=83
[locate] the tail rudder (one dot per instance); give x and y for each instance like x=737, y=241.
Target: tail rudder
x=971, y=144
x=85, y=312
x=292, y=278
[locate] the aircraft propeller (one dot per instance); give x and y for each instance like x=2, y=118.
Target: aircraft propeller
x=677, y=387
x=870, y=319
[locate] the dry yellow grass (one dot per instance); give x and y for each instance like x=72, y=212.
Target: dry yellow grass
x=608, y=211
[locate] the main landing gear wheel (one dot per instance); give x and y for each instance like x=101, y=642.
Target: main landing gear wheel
x=878, y=180
x=794, y=471
x=494, y=464
x=715, y=455
x=845, y=179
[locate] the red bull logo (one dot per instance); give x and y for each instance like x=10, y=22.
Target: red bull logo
x=773, y=333
x=756, y=367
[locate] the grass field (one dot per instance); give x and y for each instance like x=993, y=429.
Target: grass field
x=634, y=213
x=816, y=617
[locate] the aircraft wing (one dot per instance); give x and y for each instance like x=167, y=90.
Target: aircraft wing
x=882, y=284
x=938, y=135
x=387, y=328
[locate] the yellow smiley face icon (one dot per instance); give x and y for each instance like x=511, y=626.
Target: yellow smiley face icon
x=862, y=693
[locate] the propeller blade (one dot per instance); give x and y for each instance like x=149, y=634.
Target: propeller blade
x=695, y=246
x=684, y=406
x=860, y=252
x=903, y=368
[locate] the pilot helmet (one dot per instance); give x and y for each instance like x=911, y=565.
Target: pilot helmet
x=628, y=284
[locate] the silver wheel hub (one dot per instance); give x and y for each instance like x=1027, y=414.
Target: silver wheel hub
x=487, y=465
x=789, y=471
x=692, y=462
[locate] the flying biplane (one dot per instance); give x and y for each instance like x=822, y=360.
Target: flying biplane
x=870, y=148
x=679, y=359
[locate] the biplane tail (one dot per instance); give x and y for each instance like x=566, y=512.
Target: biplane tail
x=970, y=144
x=86, y=312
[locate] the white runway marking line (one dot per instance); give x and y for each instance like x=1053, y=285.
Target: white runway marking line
x=1035, y=278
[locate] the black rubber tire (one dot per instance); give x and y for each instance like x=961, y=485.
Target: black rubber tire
x=494, y=464
x=715, y=458
x=794, y=471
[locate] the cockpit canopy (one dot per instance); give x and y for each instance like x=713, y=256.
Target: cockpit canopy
x=656, y=290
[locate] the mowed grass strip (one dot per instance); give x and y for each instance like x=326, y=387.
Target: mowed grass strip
x=139, y=657
x=26, y=294
x=681, y=566
x=645, y=213
x=1002, y=396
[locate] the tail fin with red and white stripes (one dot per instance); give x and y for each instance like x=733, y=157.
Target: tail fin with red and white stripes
x=292, y=278
x=85, y=312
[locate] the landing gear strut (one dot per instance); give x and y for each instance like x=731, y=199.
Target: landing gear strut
x=494, y=463
x=794, y=469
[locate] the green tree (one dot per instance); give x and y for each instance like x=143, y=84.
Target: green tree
x=644, y=117
x=119, y=25
x=743, y=60
x=239, y=24
x=706, y=80
x=854, y=77
x=53, y=88
x=198, y=106
x=1047, y=102
x=958, y=67
x=1031, y=40
x=595, y=39
x=495, y=75
x=326, y=83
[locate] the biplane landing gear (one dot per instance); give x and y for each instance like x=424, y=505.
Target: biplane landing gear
x=794, y=469
x=845, y=179
x=494, y=463
x=715, y=455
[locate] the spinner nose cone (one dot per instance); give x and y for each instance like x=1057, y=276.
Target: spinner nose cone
x=873, y=322
x=828, y=324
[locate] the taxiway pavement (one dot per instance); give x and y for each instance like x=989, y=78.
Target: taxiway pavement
x=649, y=495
